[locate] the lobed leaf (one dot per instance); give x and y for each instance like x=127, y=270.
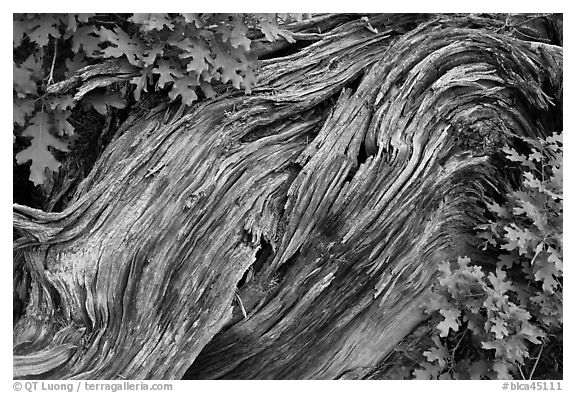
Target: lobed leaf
x=168, y=71
x=85, y=38
x=61, y=124
x=149, y=22
x=197, y=56
x=41, y=28
x=38, y=153
x=21, y=110
x=429, y=371
x=185, y=88
x=121, y=44
x=451, y=321
x=74, y=64
x=272, y=32
x=439, y=353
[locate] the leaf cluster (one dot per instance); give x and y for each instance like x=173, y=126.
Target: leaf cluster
x=493, y=327
x=181, y=55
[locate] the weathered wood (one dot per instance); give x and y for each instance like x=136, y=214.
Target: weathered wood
x=322, y=203
x=94, y=76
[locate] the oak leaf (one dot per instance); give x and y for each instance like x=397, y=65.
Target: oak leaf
x=184, y=87
x=38, y=152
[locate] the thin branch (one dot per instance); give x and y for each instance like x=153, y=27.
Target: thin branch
x=51, y=76
x=536, y=363
x=521, y=373
x=104, y=22
x=458, y=343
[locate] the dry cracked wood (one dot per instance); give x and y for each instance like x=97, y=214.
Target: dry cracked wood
x=318, y=207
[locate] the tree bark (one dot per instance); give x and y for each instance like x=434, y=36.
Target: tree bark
x=294, y=232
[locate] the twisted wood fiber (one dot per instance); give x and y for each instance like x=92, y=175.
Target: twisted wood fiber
x=324, y=200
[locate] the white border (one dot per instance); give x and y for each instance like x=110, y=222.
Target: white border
x=362, y=6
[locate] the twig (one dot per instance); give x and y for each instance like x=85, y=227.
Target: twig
x=458, y=343
x=521, y=373
x=534, y=258
x=51, y=77
x=561, y=286
x=536, y=363
x=104, y=22
x=505, y=24
x=556, y=294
